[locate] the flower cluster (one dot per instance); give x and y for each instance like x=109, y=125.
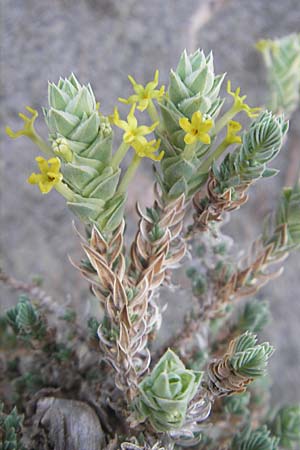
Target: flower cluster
x=134, y=135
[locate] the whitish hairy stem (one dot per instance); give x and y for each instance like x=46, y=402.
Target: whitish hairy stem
x=29, y=288
x=158, y=255
x=254, y=273
x=251, y=275
x=157, y=249
x=123, y=341
x=45, y=301
x=211, y=206
x=127, y=295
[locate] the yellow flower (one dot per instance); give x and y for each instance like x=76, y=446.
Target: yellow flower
x=144, y=94
x=28, y=128
x=143, y=148
x=49, y=176
x=133, y=132
x=233, y=128
x=239, y=102
x=196, y=129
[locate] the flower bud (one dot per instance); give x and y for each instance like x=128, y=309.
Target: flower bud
x=61, y=148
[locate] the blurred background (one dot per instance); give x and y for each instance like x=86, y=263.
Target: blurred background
x=102, y=41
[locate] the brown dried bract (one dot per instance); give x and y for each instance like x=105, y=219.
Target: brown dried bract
x=152, y=258
x=212, y=205
x=255, y=274
x=223, y=379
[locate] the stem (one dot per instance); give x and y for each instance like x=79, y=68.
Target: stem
x=189, y=151
x=119, y=155
x=214, y=156
x=65, y=191
x=129, y=173
x=153, y=114
x=37, y=140
x=221, y=123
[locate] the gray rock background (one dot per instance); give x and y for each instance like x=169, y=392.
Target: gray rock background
x=102, y=41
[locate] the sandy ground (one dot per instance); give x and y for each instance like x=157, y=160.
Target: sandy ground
x=102, y=41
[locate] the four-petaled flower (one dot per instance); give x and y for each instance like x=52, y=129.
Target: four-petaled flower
x=28, y=128
x=239, y=102
x=143, y=148
x=144, y=94
x=49, y=176
x=196, y=129
x=133, y=132
x=233, y=128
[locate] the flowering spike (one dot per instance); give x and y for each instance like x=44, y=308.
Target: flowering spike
x=193, y=87
x=144, y=94
x=282, y=61
x=50, y=174
x=196, y=129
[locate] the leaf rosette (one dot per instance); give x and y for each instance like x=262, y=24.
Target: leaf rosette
x=166, y=393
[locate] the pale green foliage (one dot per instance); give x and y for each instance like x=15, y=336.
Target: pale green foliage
x=166, y=393
x=286, y=426
x=261, y=143
x=10, y=429
x=82, y=138
x=249, y=358
x=193, y=87
x=26, y=321
x=288, y=215
x=254, y=317
x=259, y=439
x=289, y=212
x=237, y=404
x=93, y=326
x=282, y=59
x=7, y=336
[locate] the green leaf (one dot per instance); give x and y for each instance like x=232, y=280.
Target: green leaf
x=259, y=439
x=286, y=426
